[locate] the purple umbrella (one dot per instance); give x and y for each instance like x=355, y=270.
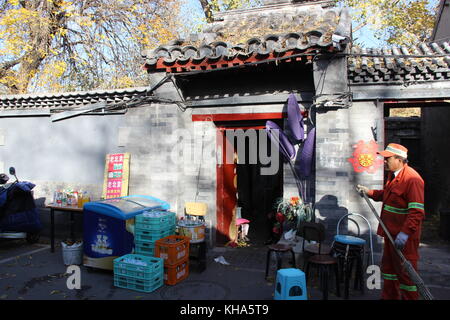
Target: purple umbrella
x=306, y=156
x=295, y=118
x=285, y=145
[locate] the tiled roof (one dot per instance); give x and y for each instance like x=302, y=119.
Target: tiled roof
x=426, y=62
x=244, y=36
x=68, y=99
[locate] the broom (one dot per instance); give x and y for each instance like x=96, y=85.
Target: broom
x=413, y=275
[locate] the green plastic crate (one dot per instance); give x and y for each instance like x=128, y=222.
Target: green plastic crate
x=142, y=285
x=146, y=248
x=150, y=236
x=156, y=229
x=166, y=219
x=152, y=267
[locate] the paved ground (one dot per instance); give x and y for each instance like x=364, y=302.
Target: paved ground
x=32, y=272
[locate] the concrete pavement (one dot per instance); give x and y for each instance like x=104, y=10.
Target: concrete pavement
x=32, y=272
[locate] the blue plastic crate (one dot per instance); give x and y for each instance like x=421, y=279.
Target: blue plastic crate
x=152, y=267
x=162, y=218
x=146, y=235
x=139, y=284
x=145, y=252
x=146, y=248
x=155, y=228
x=165, y=221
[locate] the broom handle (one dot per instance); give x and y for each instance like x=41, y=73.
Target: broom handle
x=382, y=225
x=426, y=294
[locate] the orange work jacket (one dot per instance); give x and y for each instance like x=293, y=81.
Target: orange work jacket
x=403, y=207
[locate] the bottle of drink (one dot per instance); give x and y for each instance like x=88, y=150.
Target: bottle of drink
x=86, y=197
x=80, y=199
x=58, y=198
x=64, y=198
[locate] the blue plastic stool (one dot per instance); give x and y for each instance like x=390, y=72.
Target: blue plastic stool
x=290, y=285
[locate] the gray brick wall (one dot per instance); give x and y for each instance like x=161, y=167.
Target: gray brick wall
x=150, y=139
x=337, y=132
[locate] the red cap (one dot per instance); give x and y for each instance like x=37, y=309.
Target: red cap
x=394, y=149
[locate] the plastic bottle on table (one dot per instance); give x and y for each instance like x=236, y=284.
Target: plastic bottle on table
x=64, y=198
x=80, y=199
x=58, y=198
x=86, y=197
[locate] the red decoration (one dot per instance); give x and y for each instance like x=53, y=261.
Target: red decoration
x=280, y=217
x=365, y=157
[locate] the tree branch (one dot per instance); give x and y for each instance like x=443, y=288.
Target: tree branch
x=207, y=9
x=360, y=26
x=8, y=65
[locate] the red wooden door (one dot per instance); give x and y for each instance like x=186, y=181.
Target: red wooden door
x=226, y=192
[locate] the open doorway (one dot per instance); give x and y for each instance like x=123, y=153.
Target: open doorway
x=403, y=125
x=255, y=193
x=426, y=138
x=256, y=196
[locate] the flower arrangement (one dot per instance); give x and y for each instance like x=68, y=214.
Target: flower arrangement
x=294, y=209
x=291, y=211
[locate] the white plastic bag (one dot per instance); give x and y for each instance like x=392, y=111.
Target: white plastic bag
x=72, y=254
x=75, y=245
x=221, y=260
x=290, y=235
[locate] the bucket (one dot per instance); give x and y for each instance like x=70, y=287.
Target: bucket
x=196, y=232
x=72, y=254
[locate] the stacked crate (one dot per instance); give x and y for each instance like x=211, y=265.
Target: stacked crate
x=138, y=272
x=152, y=226
x=174, y=250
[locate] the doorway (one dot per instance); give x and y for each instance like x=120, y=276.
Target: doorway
x=241, y=184
x=404, y=126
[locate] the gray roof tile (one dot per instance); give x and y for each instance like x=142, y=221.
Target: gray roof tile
x=426, y=62
x=254, y=34
x=58, y=100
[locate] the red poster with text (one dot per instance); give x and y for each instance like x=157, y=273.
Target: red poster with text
x=116, y=175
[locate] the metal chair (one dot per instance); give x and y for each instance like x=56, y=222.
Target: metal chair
x=312, y=231
x=318, y=255
x=326, y=265
x=350, y=249
x=279, y=249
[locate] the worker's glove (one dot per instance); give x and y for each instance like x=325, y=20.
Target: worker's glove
x=400, y=241
x=362, y=189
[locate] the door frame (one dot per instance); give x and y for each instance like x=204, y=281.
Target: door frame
x=234, y=118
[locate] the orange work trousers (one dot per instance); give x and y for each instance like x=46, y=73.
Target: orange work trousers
x=397, y=284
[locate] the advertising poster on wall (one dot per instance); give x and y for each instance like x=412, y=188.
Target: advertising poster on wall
x=116, y=175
